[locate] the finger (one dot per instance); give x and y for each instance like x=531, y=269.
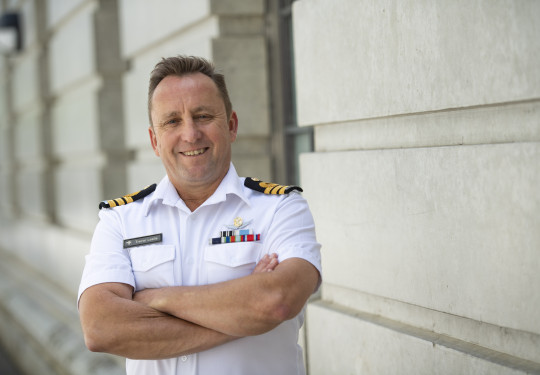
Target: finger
x=272, y=264
x=262, y=264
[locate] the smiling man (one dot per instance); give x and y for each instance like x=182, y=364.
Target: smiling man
x=207, y=272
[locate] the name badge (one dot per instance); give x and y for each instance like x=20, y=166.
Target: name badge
x=140, y=241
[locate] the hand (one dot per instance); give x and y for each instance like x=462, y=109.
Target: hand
x=145, y=296
x=266, y=264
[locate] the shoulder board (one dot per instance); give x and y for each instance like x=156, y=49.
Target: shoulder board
x=269, y=188
x=128, y=198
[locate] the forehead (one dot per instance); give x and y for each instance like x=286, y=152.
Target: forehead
x=185, y=89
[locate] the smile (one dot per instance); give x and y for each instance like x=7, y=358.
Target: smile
x=195, y=152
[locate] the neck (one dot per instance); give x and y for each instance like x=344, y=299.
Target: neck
x=193, y=198
x=195, y=195
x=193, y=204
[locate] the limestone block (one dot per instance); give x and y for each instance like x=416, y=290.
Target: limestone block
x=340, y=343
x=5, y=145
x=10, y=4
x=29, y=32
x=75, y=122
x=3, y=70
x=516, y=122
x=60, y=9
x=142, y=173
x=242, y=25
x=30, y=185
x=28, y=136
x=237, y=7
x=454, y=229
x=25, y=83
x=492, y=338
x=367, y=59
x=74, y=39
x=6, y=193
x=195, y=41
x=244, y=146
x=77, y=195
x=243, y=60
x=46, y=247
x=111, y=120
x=143, y=24
x=259, y=166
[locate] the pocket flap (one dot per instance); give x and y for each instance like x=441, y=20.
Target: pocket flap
x=144, y=258
x=233, y=254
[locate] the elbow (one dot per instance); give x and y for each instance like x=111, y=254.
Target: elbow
x=281, y=312
x=280, y=308
x=97, y=341
x=94, y=343
x=264, y=315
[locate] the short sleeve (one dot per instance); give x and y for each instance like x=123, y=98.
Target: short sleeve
x=107, y=261
x=292, y=232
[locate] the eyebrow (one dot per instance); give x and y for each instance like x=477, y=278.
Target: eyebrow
x=171, y=114
x=203, y=108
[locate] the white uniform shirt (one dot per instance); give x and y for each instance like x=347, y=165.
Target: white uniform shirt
x=185, y=257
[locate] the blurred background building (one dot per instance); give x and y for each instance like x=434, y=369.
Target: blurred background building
x=413, y=127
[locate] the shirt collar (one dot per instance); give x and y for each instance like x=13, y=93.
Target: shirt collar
x=231, y=184
x=166, y=192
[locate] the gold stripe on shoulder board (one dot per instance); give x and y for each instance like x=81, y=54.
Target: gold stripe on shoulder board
x=268, y=187
x=128, y=198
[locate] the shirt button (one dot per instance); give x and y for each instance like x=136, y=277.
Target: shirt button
x=183, y=358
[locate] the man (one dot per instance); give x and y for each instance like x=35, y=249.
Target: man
x=205, y=273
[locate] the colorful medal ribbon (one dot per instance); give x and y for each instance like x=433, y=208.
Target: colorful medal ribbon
x=231, y=236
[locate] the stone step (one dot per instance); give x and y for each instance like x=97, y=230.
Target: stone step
x=39, y=326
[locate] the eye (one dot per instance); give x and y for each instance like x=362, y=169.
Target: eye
x=172, y=121
x=202, y=117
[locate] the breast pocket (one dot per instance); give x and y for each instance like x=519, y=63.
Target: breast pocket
x=231, y=261
x=153, y=266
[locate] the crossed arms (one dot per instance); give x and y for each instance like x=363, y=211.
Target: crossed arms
x=173, y=321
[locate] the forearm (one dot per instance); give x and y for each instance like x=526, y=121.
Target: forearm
x=224, y=307
x=246, y=306
x=127, y=328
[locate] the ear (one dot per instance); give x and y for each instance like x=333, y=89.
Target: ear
x=153, y=140
x=233, y=126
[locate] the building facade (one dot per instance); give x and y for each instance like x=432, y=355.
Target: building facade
x=424, y=177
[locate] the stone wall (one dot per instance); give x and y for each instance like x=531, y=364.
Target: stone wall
x=424, y=184
x=73, y=132
x=424, y=181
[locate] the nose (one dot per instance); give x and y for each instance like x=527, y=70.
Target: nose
x=190, y=131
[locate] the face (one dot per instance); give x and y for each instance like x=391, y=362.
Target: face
x=191, y=132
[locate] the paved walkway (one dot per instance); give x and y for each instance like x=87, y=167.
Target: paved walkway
x=6, y=365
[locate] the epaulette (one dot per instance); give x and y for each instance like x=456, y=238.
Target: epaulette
x=128, y=198
x=269, y=188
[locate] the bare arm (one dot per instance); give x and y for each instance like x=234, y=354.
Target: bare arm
x=246, y=306
x=115, y=324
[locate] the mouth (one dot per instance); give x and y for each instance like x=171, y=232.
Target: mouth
x=195, y=152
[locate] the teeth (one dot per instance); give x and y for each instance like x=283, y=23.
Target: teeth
x=195, y=152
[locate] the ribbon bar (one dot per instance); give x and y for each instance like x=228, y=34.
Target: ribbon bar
x=238, y=232
x=232, y=239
